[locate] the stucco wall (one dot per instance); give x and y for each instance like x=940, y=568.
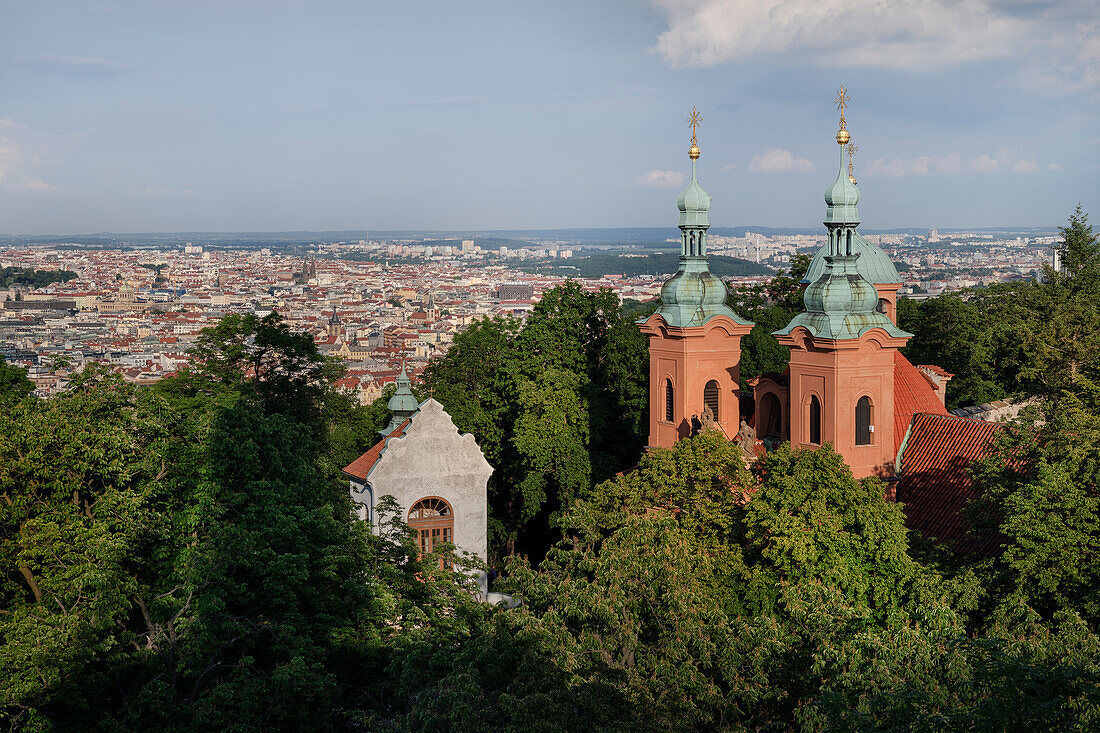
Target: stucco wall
x=433, y=459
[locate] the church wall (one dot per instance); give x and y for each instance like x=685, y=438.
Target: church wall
x=692, y=357
x=840, y=377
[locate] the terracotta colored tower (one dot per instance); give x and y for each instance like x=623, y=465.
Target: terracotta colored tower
x=843, y=346
x=694, y=338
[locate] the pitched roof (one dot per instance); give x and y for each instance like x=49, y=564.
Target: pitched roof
x=935, y=484
x=360, y=468
x=912, y=394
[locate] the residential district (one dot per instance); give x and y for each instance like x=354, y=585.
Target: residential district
x=376, y=303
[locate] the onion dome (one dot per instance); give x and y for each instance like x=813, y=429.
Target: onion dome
x=841, y=304
x=403, y=400
x=841, y=301
x=842, y=198
x=694, y=203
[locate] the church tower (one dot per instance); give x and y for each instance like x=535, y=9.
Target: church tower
x=843, y=345
x=335, y=327
x=694, y=337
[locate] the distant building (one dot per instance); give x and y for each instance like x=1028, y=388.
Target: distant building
x=515, y=291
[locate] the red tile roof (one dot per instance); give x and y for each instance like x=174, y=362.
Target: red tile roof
x=912, y=394
x=361, y=466
x=935, y=485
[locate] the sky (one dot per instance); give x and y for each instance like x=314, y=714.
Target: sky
x=271, y=115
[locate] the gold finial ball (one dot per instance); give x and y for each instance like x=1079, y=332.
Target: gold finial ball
x=842, y=137
x=693, y=152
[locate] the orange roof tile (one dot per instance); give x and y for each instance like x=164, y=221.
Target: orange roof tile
x=912, y=394
x=360, y=468
x=935, y=484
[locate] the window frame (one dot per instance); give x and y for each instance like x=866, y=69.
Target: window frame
x=432, y=530
x=814, y=425
x=866, y=436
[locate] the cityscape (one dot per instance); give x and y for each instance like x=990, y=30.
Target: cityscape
x=643, y=367
x=138, y=307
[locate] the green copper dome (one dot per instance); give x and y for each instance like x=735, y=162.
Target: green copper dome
x=403, y=400
x=841, y=301
x=841, y=304
x=694, y=294
x=694, y=203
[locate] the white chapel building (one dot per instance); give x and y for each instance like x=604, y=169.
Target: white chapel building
x=438, y=476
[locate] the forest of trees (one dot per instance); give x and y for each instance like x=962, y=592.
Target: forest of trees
x=183, y=557
x=32, y=278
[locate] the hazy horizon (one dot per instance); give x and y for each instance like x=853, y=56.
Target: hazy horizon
x=172, y=116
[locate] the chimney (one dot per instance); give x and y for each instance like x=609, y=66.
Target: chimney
x=937, y=378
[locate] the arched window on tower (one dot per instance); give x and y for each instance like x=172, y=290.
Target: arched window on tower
x=815, y=420
x=863, y=421
x=434, y=523
x=883, y=306
x=670, y=413
x=710, y=398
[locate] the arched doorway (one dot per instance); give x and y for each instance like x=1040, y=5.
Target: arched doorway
x=769, y=421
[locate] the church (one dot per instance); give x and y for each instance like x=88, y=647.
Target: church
x=847, y=383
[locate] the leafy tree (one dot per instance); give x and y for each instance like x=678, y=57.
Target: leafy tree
x=574, y=370
x=953, y=332
x=770, y=306
x=1079, y=248
x=14, y=385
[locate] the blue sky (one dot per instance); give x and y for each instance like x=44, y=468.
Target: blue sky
x=247, y=115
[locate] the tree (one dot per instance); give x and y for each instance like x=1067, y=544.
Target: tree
x=770, y=306
x=14, y=385
x=598, y=405
x=1079, y=247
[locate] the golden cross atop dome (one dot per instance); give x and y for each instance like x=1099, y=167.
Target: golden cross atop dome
x=841, y=100
x=694, y=121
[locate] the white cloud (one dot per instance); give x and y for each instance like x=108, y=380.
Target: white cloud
x=26, y=152
x=661, y=179
x=1055, y=167
x=36, y=185
x=950, y=164
x=779, y=161
x=162, y=191
x=915, y=35
x=52, y=60
x=729, y=167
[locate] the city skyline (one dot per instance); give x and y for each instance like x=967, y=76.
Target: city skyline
x=251, y=116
